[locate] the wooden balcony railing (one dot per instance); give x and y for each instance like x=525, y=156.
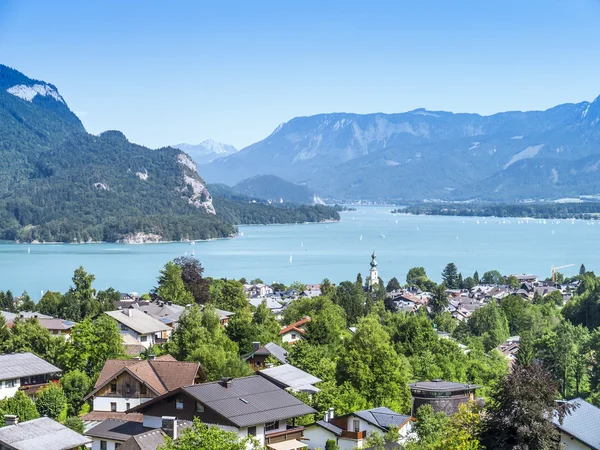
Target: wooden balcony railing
x=357, y=435
x=284, y=435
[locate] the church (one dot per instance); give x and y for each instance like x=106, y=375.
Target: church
x=373, y=279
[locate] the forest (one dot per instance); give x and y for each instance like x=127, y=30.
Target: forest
x=584, y=210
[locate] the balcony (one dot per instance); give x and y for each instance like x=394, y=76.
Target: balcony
x=284, y=435
x=356, y=435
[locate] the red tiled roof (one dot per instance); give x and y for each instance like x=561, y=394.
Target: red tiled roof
x=295, y=326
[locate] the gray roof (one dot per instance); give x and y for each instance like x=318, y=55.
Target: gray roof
x=583, y=423
x=441, y=385
x=42, y=433
x=139, y=321
x=148, y=440
x=277, y=352
x=24, y=314
x=116, y=429
x=330, y=427
x=249, y=401
x=18, y=365
x=382, y=417
x=291, y=377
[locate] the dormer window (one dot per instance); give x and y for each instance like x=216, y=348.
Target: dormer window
x=178, y=404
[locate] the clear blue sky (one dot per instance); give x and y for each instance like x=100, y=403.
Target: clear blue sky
x=165, y=72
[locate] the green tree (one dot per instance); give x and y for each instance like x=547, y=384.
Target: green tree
x=83, y=294
x=469, y=283
x=450, y=276
x=298, y=286
x=331, y=445
x=26, y=303
x=492, y=277
x=476, y=277
x=27, y=335
x=193, y=281
x=171, y=286
x=19, y=405
x=430, y=428
x=372, y=366
x=582, y=270
x=49, y=303
x=439, y=300
x=513, y=282
x=489, y=322
x=327, y=289
x=203, y=437
x=517, y=413
x=76, y=385
x=351, y=298
x=75, y=424
x=463, y=430
x=91, y=344
x=52, y=402
x=393, y=285
x=228, y=295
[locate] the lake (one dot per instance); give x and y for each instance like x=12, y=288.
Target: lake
x=332, y=250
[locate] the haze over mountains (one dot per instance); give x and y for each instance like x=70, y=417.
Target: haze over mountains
x=206, y=151
x=424, y=154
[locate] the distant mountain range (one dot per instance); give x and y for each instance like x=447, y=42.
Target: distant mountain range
x=425, y=154
x=206, y=151
x=59, y=183
x=276, y=190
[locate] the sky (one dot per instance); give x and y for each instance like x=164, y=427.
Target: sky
x=184, y=71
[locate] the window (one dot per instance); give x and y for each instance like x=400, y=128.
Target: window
x=113, y=406
x=178, y=404
x=143, y=390
x=356, y=425
x=257, y=363
x=102, y=445
x=199, y=407
x=113, y=388
x=10, y=383
x=251, y=431
x=270, y=426
x=293, y=335
x=117, y=445
x=127, y=406
x=124, y=327
x=143, y=338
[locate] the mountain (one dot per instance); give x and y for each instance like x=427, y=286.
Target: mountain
x=425, y=154
x=59, y=183
x=275, y=189
x=206, y=151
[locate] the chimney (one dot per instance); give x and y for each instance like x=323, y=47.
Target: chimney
x=326, y=416
x=255, y=346
x=11, y=419
x=130, y=312
x=331, y=413
x=169, y=426
x=225, y=382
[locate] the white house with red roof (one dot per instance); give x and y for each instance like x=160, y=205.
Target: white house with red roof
x=295, y=331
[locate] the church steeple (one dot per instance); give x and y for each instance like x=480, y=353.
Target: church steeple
x=373, y=273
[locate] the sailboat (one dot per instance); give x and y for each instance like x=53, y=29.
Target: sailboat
x=301, y=244
x=290, y=259
x=28, y=249
x=193, y=253
x=360, y=239
x=193, y=243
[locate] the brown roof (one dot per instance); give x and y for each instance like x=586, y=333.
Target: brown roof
x=100, y=416
x=295, y=326
x=162, y=375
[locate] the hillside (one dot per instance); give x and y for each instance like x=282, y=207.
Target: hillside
x=431, y=154
x=275, y=189
x=59, y=183
x=206, y=151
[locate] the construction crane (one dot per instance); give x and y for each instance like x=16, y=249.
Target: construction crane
x=554, y=269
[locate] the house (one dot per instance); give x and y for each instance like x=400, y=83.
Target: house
x=525, y=278
x=25, y=372
x=36, y=434
x=251, y=406
x=291, y=378
x=170, y=313
x=295, y=331
x=258, y=290
x=350, y=430
x=10, y=317
x=145, y=328
x=443, y=396
x=580, y=428
x=58, y=327
x=257, y=359
x=510, y=348
x=126, y=383
x=275, y=306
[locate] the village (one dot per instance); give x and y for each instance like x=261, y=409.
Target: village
x=147, y=398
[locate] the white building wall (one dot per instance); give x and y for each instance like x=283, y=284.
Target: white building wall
x=570, y=443
x=317, y=437
x=110, y=445
x=103, y=403
x=7, y=392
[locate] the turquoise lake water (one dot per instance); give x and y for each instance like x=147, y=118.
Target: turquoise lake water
x=332, y=250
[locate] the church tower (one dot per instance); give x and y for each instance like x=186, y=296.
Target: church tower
x=373, y=273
